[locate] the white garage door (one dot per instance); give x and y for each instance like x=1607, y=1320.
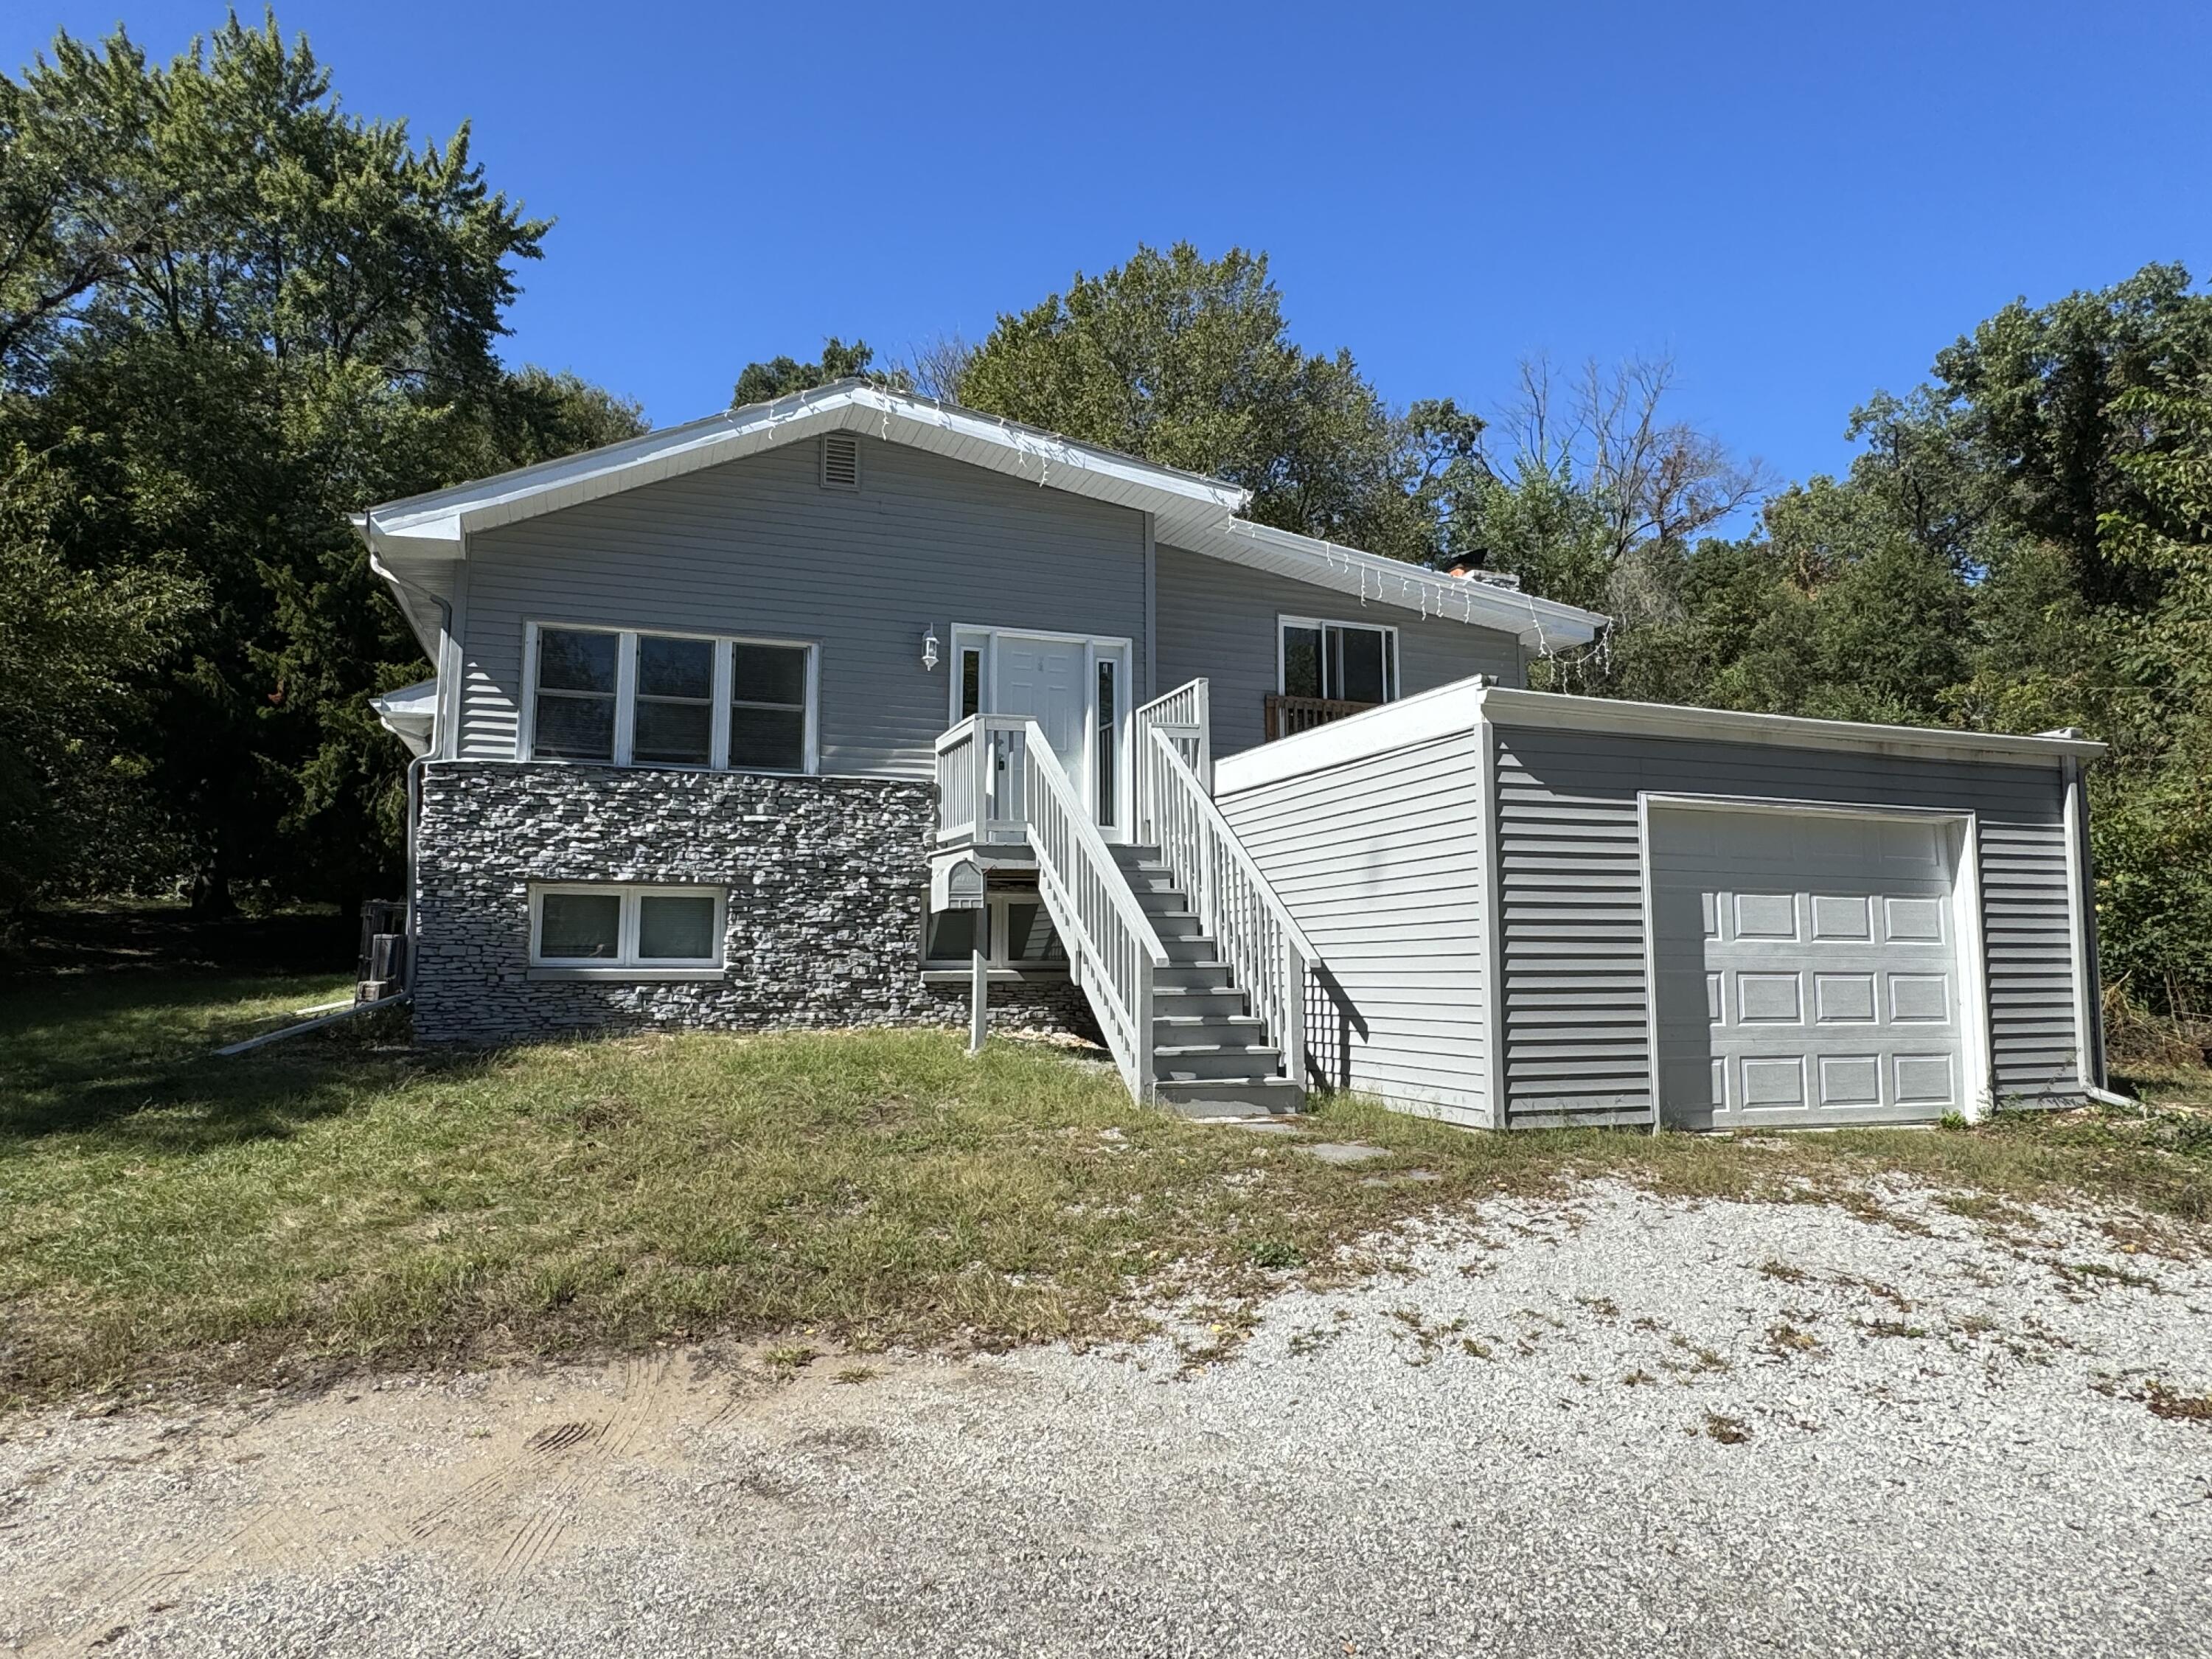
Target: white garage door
x=1808, y=971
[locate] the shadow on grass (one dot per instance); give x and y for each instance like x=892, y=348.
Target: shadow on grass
x=130, y=1058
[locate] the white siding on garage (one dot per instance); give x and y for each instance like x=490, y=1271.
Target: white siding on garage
x=758, y=546
x=1218, y=621
x=1572, y=920
x=1379, y=860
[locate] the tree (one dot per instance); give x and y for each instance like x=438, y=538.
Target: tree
x=70, y=643
x=1187, y=362
x=231, y=315
x=761, y=383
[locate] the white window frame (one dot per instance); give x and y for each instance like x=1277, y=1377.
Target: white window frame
x=998, y=964
x=626, y=651
x=1394, y=684
x=627, y=964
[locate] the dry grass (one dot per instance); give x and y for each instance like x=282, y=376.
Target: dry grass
x=329, y=1203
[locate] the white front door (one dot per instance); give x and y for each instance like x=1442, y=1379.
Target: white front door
x=1076, y=689
x=1043, y=679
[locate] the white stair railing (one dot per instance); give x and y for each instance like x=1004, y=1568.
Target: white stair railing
x=982, y=779
x=1264, y=948
x=1112, y=948
x=1185, y=717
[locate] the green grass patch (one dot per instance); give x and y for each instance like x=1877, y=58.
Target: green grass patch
x=330, y=1203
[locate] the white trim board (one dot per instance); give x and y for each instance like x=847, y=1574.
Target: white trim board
x=1459, y=705
x=1185, y=509
x=1970, y=949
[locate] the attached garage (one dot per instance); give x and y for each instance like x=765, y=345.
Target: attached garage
x=1537, y=910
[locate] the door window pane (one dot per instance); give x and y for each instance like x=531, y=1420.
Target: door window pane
x=971, y=682
x=580, y=927
x=1107, y=717
x=676, y=927
x=768, y=740
x=1301, y=662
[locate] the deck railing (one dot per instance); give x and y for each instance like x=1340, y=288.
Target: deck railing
x=1286, y=717
x=1265, y=950
x=1112, y=947
x=1185, y=718
x=982, y=780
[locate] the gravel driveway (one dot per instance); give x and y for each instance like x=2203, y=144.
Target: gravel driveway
x=1608, y=1425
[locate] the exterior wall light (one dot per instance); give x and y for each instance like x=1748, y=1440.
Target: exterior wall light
x=929, y=647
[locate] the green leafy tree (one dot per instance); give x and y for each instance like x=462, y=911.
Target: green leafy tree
x=779, y=377
x=1187, y=361
x=232, y=314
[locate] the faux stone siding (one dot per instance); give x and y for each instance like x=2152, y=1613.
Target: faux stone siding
x=827, y=880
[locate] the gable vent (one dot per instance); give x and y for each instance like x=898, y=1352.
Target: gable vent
x=840, y=461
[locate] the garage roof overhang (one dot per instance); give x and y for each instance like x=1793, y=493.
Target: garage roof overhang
x=1466, y=704
x=1187, y=510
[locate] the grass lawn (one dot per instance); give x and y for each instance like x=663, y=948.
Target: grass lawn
x=325, y=1202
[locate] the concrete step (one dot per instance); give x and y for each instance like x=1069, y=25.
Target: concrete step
x=1225, y=1097
x=1186, y=1060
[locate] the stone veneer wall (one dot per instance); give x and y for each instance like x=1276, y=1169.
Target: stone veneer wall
x=827, y=878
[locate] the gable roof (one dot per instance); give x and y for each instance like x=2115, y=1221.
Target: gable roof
x=1189, y=510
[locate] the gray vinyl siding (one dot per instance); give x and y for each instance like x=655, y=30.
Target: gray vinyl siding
x=1218, y=620
x=759, y=547
x=1379, y=860
x=1575, y=1046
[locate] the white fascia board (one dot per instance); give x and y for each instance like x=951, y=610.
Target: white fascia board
x=1543, y=624
x=1507, y=707
x=440, y=521
x=1438, y=714
x=410, y=714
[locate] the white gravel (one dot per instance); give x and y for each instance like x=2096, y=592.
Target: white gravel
x=1931, y=1444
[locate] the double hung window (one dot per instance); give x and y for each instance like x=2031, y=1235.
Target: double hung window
x=634, y=698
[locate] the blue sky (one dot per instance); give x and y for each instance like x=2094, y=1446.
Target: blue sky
x=1801, y=203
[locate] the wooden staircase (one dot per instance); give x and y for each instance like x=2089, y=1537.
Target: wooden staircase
x=1211, y=1056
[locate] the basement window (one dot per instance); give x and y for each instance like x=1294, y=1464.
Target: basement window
x=593, y=930
x=1020, y=941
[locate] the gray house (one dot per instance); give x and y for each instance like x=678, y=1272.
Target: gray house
x=840, y=709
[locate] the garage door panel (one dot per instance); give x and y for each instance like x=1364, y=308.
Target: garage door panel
x=1773, y=1082
x=1844, y=999
x=1919, y=999
x=1849, y=1080
x=1808, y=970
x=1768, y=999
x=1912, y=920
x=1843, y=917
x=1768, y=916
x=1924, y=1080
